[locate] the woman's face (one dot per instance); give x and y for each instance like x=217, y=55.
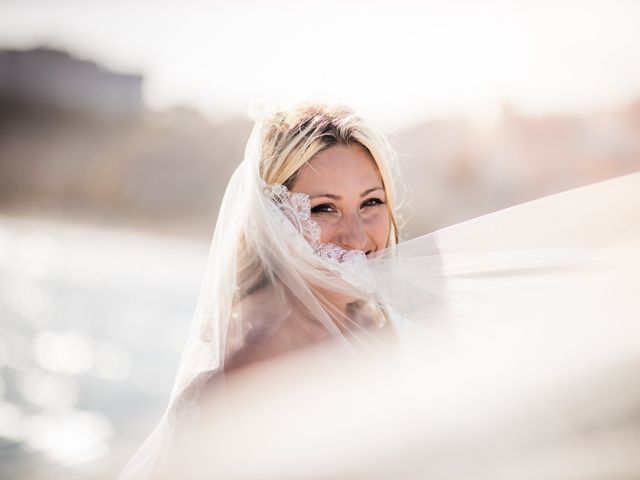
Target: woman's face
x=347, y=198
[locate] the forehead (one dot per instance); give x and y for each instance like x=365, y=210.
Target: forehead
x=338, y=167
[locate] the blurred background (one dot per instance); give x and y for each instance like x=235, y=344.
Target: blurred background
x=121, y=122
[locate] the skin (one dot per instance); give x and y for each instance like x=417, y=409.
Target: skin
x=347, y=198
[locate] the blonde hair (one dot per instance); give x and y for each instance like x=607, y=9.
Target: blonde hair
x=293, y=136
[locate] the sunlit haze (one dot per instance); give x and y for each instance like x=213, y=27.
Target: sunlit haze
x=396, y=62
x=122, y=123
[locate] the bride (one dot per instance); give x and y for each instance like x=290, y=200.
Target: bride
x=305, y=254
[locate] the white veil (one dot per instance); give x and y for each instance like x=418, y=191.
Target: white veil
x=557, y=276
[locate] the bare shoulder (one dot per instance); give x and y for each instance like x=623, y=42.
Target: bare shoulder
x=272, y=323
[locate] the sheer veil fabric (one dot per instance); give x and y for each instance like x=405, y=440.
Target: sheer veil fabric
x=556, y=277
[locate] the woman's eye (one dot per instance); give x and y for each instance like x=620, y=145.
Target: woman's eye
x=323, y=208
x=372, y=202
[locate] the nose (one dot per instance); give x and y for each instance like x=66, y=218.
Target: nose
x=353, y=235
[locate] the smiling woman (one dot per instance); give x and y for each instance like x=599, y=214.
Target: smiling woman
x=312, y=200
x=305, y=254
x=329, y=173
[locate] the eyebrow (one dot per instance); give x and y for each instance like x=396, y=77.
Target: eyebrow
x=338, y=197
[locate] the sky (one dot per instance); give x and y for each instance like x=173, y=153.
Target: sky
x=395, y=62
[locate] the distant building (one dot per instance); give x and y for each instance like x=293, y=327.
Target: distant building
x=52, y=78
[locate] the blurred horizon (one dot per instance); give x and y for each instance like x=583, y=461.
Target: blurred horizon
x=397, y=65
x=79, y=143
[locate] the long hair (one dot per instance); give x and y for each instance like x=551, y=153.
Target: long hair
x=291, y=138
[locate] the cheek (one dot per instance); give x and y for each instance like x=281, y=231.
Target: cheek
x=378, y=227
x=328, y=230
